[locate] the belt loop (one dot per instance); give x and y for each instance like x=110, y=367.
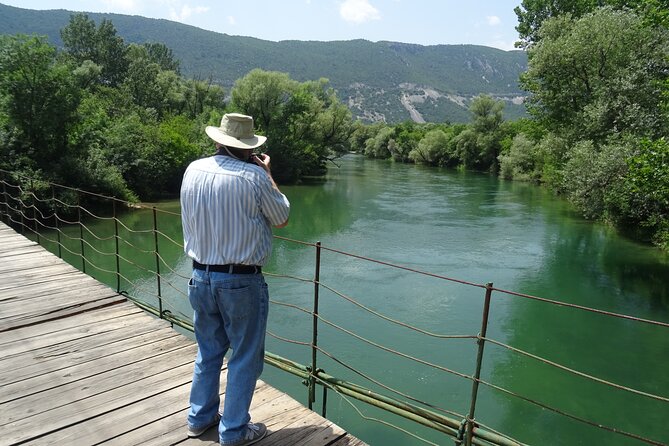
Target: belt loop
x=206, y=268
x=231, y=269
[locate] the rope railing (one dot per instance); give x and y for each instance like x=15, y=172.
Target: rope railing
x=25, y=210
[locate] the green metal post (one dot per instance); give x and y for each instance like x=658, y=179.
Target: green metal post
x=34, y=205
x=479, y=361
x=23, y=222
x=55, y=221
x=6, y=202
x=314, y=340
x=118, y=258
x=81, y=233
x=325, y=402
x=155, y=238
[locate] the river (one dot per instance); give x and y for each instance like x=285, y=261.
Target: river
x=475, y=228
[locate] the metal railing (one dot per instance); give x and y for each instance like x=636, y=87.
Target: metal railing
x=59, y=217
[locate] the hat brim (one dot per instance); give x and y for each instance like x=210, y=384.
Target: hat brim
x=217, y=135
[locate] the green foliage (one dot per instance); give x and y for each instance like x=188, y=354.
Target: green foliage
x=522, y=161
x=591, y=172
x=598, y=75
x=641, y=200
x=436, y=148
x=305, y=122
x=162, y=55
x=377, y=147
x=533, y=13
x=40, y=100
x=406, y=137
x=84, y=41
x=599, y=78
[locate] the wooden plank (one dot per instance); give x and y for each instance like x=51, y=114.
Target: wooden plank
x=309, y=429
x=32, y=420
x=120, y=424
x=55, y=300
x=63, y=341
x=63, y=312
x=348, y=440
x=36, y=260
x=41, y=279
x=166, y=342
x=136, y=424
x=65, y=391
x=43, y=288
x=28, y=277
x=29, y=365
x=173, y=430
x=27, y=250
x=96, y=317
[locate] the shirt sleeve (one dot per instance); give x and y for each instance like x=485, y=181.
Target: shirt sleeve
x=273, y=204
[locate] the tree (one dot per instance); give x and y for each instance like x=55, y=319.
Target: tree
x=435, y=148
x=305, y=122
x=533, y=13
x=141, y=79
x=162, y=55
x=479, y=146
x=377, y=147
x=41, y=99
x=200, y=96
x=641, y=200
x=599, y=74
x=522, y=162
x=262, y=94
x=84, y=41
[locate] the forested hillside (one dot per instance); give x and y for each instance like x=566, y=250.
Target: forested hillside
x=378, y=81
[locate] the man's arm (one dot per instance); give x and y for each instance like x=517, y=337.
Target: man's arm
x=263, y=160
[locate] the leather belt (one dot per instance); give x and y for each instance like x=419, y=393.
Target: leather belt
x=230, y=269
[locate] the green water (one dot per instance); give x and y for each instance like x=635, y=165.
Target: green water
x=474, y=228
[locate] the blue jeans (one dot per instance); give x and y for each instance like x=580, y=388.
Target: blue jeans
x=230, y=311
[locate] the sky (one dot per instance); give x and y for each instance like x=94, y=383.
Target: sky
x=425, y=22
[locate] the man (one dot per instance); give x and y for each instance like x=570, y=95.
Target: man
x=229, y=202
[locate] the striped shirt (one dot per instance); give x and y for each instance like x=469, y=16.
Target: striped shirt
x=227, y=210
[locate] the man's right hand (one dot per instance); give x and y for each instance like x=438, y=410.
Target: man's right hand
x=262, y=160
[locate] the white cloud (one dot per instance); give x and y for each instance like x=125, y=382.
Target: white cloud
x=493, y=20
x=187, y=11
x=358, y=11
x=231, y=20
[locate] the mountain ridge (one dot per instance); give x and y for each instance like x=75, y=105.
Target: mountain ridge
x=384, y=80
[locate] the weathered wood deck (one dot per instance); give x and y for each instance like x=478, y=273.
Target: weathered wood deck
x=81, y=365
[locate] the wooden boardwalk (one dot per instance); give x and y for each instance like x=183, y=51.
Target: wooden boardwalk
x=80, y=365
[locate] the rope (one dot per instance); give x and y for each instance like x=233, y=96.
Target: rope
x=405, y=268
x=384, y=386
x=395, y=352
x=394, y=321
x=576, y=372
x=371, y=418
x=573, y=417
x=581, y=307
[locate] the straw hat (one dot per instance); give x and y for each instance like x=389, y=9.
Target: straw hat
x=236, y=131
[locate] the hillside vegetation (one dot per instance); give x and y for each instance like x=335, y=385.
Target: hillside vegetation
x=375, y=79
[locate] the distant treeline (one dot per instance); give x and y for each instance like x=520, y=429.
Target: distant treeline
x=120, y=120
